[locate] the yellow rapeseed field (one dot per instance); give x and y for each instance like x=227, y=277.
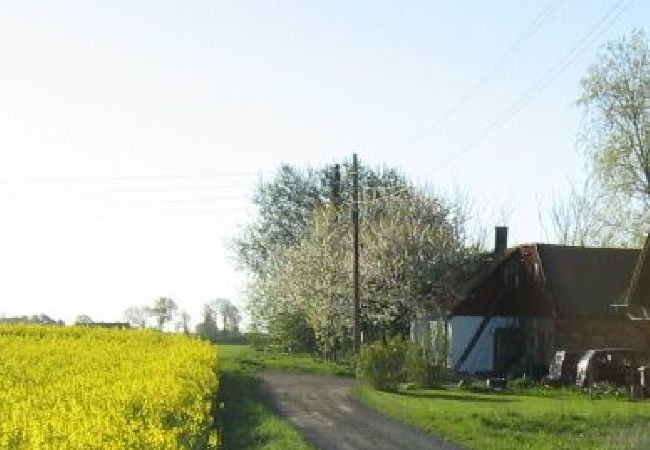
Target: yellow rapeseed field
x=84, y=388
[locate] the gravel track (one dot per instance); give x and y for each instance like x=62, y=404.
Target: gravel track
x=324, y=410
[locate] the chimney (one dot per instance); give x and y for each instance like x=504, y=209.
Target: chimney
x=500, y=240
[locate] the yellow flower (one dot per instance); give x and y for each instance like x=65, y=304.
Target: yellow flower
x=81, y=388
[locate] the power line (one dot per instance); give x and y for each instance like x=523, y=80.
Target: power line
x=117, y=190
x=518, y=43
x=556, y=70
x=145, y=202
x=102, y=213
x=95, y=179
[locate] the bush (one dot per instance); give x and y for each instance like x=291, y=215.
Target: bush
x=417, y=368
x=257, y=340
x=421, y=370
x=382, y=364
x=290, y=332
x=387, y=364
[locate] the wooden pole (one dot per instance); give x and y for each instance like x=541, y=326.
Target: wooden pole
x=355, y=260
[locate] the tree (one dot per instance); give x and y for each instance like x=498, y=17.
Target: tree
x=136, y=316
x=287, y=202
x=415, y=243
x=229, y=314
x=83, y=320
x=303, y=300
x=38, y=318
x=616, y=136
x=585, y=217
x=208, y=327
x=183, y=323
x=235, y=319
x=410, y=242
x=164, y=310
x=284, y=207
x=224, y=310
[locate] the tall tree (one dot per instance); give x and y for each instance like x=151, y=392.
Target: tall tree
x=410, y=243
x=579, y=218
x=163, y=310
x=183, y=323
x=286, y=204
x=83, y=319
x=229, y=314
x=208, y=327
x=235, y=319
x=616, y=136
x=136, y=316
x=224, y=310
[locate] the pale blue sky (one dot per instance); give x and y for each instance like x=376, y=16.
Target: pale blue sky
x=132, y=133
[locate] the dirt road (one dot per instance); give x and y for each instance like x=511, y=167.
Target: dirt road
x=325, y=412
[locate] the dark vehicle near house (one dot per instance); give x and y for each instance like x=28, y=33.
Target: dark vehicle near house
x=563, y=367
x=617, y=366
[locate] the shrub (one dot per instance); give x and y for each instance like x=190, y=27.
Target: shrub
x=386, y=364
x=257, y=340
x=417, y=367
x=382, y=364
x=290, y=332
x=422, y=369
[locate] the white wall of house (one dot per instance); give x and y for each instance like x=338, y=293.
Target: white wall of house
x=461, y=329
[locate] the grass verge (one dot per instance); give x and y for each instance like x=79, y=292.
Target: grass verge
x=246, y=422
x=536, y=419
x=269, y=360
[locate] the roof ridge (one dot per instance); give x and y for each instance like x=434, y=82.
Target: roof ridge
x=585, y=247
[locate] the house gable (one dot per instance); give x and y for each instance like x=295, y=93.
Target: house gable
x=510, y=287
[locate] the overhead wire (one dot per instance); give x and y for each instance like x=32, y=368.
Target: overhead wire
x=534, y=25
x=115, y=193
x=606, y=21
x=140, y=177
x=129, y=210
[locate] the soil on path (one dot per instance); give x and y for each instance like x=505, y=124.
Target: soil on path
x=323, y=409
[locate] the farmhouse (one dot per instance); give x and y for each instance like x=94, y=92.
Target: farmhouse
x=528, y=301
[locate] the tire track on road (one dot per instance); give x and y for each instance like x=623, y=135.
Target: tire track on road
x=323, y=409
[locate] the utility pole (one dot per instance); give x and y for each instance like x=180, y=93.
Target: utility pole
x=356, y=344
x=335, y=186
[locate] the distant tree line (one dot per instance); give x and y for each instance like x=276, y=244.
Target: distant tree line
x=221, y=319
x=220, y=310
x=42, y=319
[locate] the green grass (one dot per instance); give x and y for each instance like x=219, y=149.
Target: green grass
x=269, y=360
x=246, y=421
x=554, y=419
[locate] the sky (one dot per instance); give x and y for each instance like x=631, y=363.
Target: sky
x=133, y=133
